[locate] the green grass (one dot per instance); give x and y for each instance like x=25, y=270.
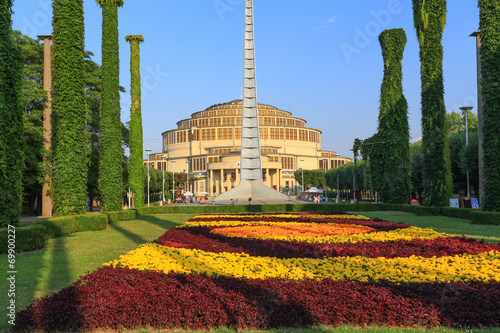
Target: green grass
x=67, y=258
x=449, y=225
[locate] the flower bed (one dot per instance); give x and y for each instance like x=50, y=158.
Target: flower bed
x=283, y=270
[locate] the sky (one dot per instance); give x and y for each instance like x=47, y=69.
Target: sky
x=319, y=59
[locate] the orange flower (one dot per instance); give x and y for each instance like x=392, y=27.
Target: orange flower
x=293, y=230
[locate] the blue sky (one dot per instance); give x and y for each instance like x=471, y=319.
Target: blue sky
x=318, y=59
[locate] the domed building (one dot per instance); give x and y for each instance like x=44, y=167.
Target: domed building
x=207, y=146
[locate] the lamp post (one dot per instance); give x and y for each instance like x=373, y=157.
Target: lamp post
x=148, y=151
x=188, y=162
x=466, y=109
x=325, y=164
x=173, y=180
x=163, y=167
x=354, y=174
x=302, y=167
x=337, y=166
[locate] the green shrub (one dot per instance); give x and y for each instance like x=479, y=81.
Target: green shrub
x=63, y=225
x=27, y=238
x=122, y=215
x=462, y=213
x=479, y=217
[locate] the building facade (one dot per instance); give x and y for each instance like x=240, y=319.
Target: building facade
x=207, y=146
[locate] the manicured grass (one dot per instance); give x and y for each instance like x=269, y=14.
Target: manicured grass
x=449, y=225
x=66, y=258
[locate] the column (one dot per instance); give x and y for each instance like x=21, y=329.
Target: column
x=47, y=112
x=221, y=183
x=211, y=183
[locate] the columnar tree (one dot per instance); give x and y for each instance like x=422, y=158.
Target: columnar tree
x=135, y=143
x=489, y=15
x=111, y=171
x=393, y=128
x=429, y=20
x=11, y=121
x=69, y=109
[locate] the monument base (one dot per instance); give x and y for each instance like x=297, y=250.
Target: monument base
x=251, y=189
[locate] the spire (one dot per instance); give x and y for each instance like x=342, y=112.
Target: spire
x=251, y=184
x=251, y=166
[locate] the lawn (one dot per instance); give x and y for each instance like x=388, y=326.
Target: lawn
x=449, y=225
x=66, y=258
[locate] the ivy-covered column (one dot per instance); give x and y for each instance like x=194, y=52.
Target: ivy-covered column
x=393, y=128
x=110, y=171
x=489, y=16
x=429, y=20
x=11, y=121
x=69, y=109
x=136, y=176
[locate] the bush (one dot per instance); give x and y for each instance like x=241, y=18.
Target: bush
x=63, y=225
x=122, y=215
x=28, y=238
x=462, y=213
x=479, y=217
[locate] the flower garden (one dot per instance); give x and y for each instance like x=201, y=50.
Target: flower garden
x=265, y=271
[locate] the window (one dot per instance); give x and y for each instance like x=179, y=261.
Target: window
x=263, y=133
x=237, y=133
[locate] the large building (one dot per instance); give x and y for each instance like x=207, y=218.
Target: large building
x=207, y=146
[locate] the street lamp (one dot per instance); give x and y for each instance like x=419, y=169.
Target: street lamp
x=466, y=109
x=302, y=164
x=163, y=167
x=337, y=166
x=148, y=150
x=354, y=174
x=188, y=162
x=173, y=180
x=325, y=164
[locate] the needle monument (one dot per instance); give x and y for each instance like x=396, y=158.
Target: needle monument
x=251, y=184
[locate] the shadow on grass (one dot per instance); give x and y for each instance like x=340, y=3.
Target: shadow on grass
x=130, y=235
x=162, y=223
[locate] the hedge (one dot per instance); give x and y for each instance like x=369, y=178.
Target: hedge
x=122, y=215
x=28, y=238
x=479, y=217
x=63, y=225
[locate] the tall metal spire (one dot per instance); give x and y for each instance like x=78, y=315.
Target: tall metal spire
x=251, y=167
x=251, y=184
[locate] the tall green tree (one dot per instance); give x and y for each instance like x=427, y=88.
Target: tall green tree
x=455, y=122
x=11, y=121
x=111, y=172
x=33, y=98
x=489, y=16
x=429, y=20
x=70, y=152
x=393, y=128
x=136, y=143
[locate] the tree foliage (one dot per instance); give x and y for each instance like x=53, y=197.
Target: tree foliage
x=455, y=122
x=136, y=143
x=312, y=178
x=429, y=20
x=33, y=99
x=111, y=159
x=417, y=165
x=489, y=16
x=69, y=110
x=11, y=121
x=392, y=165
x=464, y=158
